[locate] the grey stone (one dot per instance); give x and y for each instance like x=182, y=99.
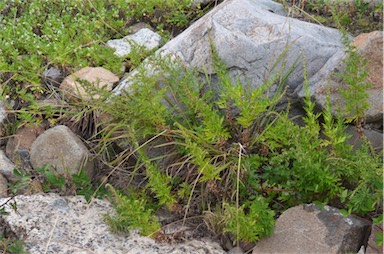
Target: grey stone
x=61, y=148
x=74, y=88
x=6, y=166
x=308, y=229
x=144, y=37
x=53, y=224
x=250, y=36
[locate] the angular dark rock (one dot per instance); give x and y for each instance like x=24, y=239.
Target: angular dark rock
x=309, y=229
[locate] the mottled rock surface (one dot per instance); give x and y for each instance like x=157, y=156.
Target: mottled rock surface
x=57, y=225
x=61, y=148
x=307, y=229
x=250, y=37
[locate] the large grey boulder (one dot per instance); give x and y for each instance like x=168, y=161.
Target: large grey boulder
x=309, y=229
x=53, y=224
x=250, y=36
x=61, y=148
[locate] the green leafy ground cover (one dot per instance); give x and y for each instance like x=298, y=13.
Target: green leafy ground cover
x=231, y=159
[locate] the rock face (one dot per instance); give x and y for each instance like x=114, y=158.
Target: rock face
x=61, y=148
x=54, y=224
x=250, y=36
x=6, y=166
x=74, y=86
x=307, y=229
x=144, y=37
x=370, y=47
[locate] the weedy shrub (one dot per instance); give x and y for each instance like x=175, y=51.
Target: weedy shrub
x=229, y=155
x=132, y=213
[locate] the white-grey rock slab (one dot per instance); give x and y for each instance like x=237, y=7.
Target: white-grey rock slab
x=57, y=225
x=61, y=148
x=6, y=166
x=309, y=229
x=73, y=86
x=250, y=36
x=144, y=37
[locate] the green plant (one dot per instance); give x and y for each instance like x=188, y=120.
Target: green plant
x=131, y=213
x=229, y=146
x=12, y=246
x=355, y=76
x=250, y=222
x=200, y=131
